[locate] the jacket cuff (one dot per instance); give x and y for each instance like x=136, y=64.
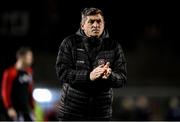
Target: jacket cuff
x=112, y=77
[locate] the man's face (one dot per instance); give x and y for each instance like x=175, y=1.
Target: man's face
x=93, y=26
x=28, y=58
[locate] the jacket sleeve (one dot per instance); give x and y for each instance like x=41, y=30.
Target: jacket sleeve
x=65, y=67
x=118, y=76
x=7, y=82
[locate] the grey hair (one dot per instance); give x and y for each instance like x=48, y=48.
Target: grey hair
x=90, y=11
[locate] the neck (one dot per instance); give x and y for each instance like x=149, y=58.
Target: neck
x=97, y=37
x=92, y=36
x=19, y=65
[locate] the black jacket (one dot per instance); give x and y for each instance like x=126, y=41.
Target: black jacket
x=79, y=55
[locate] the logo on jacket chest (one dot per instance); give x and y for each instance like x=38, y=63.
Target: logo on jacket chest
x=103, y=57
x=25, y=78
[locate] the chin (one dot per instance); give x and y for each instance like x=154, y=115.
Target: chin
x=95, y=35
x=28, y=65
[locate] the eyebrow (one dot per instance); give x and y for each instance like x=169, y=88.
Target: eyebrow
x=95, y=19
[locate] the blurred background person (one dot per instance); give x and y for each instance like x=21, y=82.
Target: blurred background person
x=127, y=111
x=142, y=110
x=174, y=110
x=51, y=114
x=17, y=85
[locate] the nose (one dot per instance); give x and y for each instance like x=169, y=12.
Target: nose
x=95, y=24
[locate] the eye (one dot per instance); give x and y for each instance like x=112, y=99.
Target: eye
x=91, y=21
x=98, y=21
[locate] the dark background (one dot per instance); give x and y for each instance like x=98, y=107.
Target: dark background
x=148, y=32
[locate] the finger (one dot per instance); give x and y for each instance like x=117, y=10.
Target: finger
x=108, y=74
x=109, y=70
x=97, y=69
x=107, y=64
x=100, y=70
x=103, y=71
x=104, y=77
x=97, y=76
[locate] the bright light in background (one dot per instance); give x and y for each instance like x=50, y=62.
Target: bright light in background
x=42, y=95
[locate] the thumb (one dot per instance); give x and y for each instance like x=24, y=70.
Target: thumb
x=107, y=64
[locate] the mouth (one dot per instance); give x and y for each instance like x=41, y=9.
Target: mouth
x=95, y=31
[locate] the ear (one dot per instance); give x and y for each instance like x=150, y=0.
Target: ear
x=82, y=26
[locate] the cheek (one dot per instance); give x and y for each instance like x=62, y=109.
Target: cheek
x=87, y=28
x=102, y=27
x=29, y=59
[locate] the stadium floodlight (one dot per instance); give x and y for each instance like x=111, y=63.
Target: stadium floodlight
x=42, y=95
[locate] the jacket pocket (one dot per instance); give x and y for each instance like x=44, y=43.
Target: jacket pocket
x=81, y=60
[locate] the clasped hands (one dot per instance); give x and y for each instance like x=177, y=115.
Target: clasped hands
x=102, y=71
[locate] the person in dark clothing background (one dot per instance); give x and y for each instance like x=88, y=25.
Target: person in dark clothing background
x=142, y=109
x=17, y=86
x=89, y=64
x=173, y=113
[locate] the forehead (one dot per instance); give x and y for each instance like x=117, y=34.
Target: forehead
x=94, y=17
x=29, y=53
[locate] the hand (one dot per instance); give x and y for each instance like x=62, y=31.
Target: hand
x=12, y=113
x=107, y=73
x=97, y=72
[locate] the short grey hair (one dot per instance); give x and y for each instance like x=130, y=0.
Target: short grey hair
x=90, y=11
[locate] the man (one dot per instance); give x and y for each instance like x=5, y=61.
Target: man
x=17, y=84
x=89, y=64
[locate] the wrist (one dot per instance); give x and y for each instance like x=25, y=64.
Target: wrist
x=90, y=76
